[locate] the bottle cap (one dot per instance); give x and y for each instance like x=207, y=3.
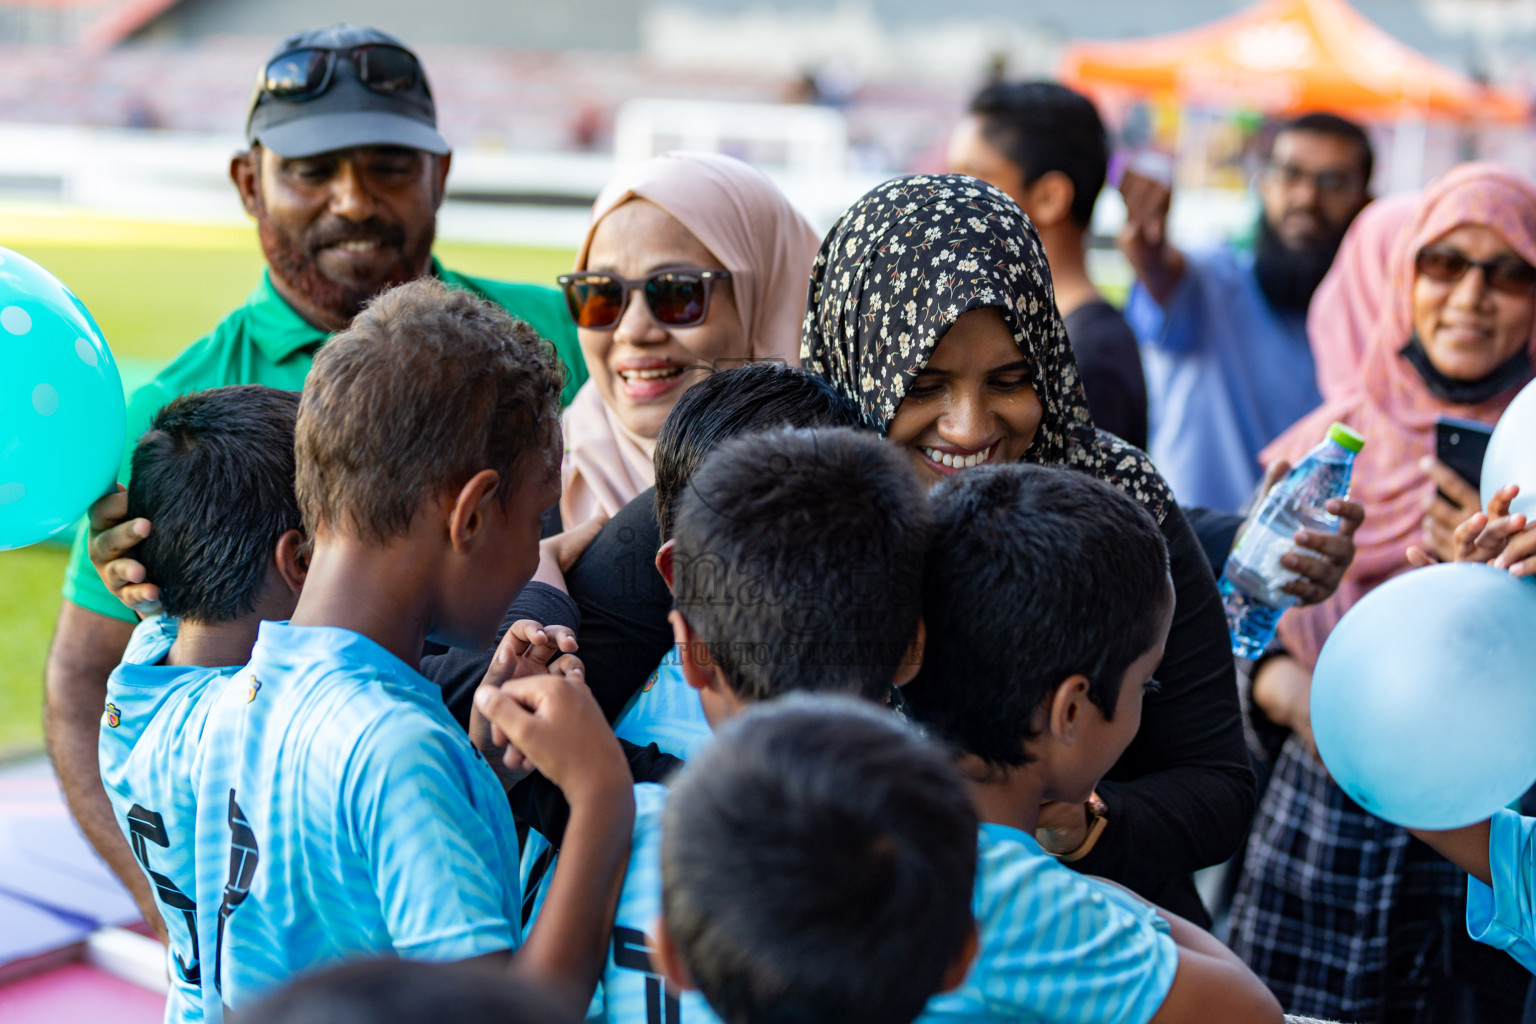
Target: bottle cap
x=1346, y=437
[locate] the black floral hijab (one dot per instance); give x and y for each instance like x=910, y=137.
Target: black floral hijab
x=897, y=271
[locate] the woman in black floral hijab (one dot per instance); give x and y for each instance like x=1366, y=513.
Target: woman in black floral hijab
x=931, y=308
x=915, y=258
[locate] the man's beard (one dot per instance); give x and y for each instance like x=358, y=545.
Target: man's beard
x=295, y=260
x=1287, y=276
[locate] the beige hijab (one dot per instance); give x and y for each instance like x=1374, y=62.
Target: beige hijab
x=750, y=227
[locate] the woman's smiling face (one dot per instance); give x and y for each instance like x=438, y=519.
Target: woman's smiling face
x=972, y=404
x=1469, y=329
x=641, y=366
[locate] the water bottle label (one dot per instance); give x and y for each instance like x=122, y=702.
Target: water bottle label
x=1258, y=558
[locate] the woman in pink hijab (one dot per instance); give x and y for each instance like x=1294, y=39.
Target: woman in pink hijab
x=692, y=261
x=1341, y=914
x=1346, y=305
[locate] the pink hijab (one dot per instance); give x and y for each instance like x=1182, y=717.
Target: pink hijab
x=1347, y=303
x=751, y=228
x=1392, y=407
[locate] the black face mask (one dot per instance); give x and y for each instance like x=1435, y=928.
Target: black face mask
x=1287, y=276
x=1515, y=372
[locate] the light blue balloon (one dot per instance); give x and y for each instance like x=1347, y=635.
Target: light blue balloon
x=62, y=419
x=1511, y=454
x=1424, y=696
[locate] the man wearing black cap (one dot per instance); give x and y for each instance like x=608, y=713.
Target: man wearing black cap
x=343, y=175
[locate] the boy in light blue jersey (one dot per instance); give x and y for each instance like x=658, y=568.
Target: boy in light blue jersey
x=341, y=811
x=726, y=404
x=860, y=847
x=215, y=474
x=1048, y=604
x=796, y=559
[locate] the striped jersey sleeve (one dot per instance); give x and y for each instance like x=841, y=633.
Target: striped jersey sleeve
x=1504, y=915
x=1057, y=947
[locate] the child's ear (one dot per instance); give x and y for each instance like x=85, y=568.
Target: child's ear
x=1067, y=707
x=912, y=659
x=667, y=961
x=698, y=670
x=292, y=558
x=664, y=561
x=960, y=967
x=470, y=508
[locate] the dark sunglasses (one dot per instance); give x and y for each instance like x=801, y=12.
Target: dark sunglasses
x=1507, y=274
x=305, y=74
x=677, y=298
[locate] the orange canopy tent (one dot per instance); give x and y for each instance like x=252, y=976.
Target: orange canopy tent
x=1285, y=57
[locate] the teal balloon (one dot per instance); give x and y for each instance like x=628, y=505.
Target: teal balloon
x=1424, y=696
x=61, y=406
x=1511, y=454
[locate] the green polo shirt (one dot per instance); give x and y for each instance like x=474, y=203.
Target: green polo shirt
x=266, y=342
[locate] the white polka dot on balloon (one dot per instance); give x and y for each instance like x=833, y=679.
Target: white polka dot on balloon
x=86, y=351
x=15, y=319
x=12, y=492
x=45, y=399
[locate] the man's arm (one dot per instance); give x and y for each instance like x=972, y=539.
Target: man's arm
x=1144, y=239
x=86, y=648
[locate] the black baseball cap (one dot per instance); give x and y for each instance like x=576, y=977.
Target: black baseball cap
x=345, y=113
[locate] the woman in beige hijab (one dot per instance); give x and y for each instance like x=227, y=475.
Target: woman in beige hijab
x=692, y=261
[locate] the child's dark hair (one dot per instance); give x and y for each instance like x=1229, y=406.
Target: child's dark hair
x=799, y=561
x=1043, y=127
x=392, y=991
x=1036, y=574
x=424, y=389
x=729, y=403
x=818, y=863
x=214, y=476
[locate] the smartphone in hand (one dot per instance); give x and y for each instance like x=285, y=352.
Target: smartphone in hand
x=1460, y=444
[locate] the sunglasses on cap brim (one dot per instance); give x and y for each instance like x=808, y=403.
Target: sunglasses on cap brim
x=308, y=72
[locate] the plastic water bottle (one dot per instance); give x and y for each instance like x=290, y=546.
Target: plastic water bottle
x=1251, y=583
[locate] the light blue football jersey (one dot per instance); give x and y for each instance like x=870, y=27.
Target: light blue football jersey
x=1503, y=915
x=342, y=813
x=149, y=737
x=665, y=712
x=1056, y=947
x=633, y=992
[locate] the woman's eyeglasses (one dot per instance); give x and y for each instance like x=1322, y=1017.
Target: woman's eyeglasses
x=305, y=74
x=677, y=298
x=1508, y=274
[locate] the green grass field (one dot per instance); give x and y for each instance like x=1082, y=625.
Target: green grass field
x=153, y=289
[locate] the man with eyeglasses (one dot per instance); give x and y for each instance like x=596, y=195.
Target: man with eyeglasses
x=1223, y=332
x=344, y=174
